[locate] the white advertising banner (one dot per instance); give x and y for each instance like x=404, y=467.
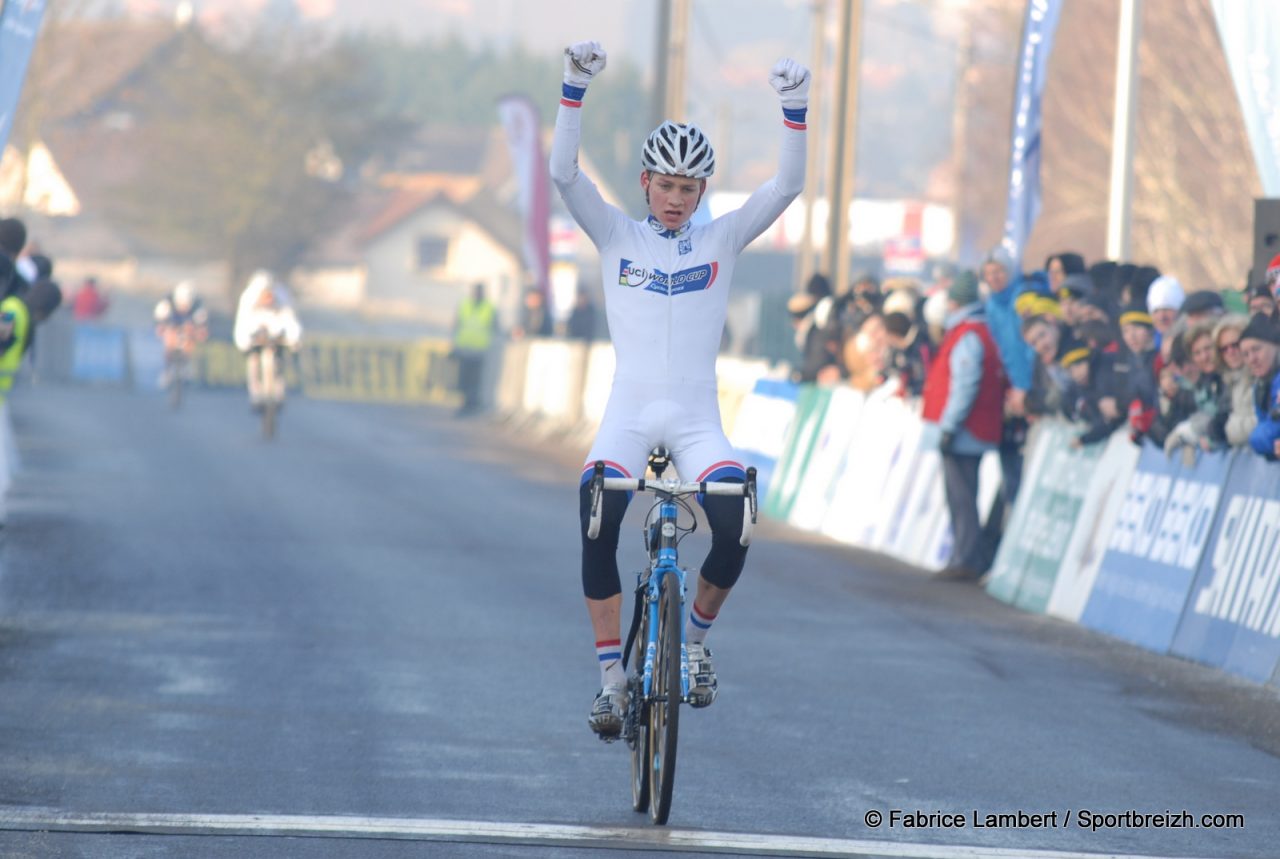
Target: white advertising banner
x=1088, y=543
x=820, y=473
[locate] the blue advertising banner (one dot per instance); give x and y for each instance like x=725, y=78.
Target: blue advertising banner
x=1232, y=620
x=19, y=25
x=1023, y=208
x=98, y=354
x=1155, y=547
x=762, y=426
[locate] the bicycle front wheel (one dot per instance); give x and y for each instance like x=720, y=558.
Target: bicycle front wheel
x=640, y=742
x=269, y=415
x=664, y=710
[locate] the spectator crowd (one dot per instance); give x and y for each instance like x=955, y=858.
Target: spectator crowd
x=1110, y=347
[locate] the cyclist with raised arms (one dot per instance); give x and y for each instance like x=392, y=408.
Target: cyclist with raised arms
x=666, y=289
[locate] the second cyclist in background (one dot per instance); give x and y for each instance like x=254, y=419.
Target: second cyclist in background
x=265, y=319
x=182, y=323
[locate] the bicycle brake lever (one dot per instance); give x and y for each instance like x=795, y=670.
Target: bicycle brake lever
x=749, y=509
x=597, y=493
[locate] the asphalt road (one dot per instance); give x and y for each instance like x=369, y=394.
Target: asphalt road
x=367, y=639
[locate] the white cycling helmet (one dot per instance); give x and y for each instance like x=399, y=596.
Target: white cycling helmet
x=184, y=295
x=676, y=149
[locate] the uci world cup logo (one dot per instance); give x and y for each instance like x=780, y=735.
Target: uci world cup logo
x=632, y=275
x=686, y=280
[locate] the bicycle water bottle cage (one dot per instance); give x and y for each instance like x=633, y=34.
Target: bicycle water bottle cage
x=659, y=459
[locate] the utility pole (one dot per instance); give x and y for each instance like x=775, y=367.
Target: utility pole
x=1126, y=108
x=660, y=64
x=670, y=61
x=960, y=137
x=813, y=174
x=679, y=60
x=844, y=134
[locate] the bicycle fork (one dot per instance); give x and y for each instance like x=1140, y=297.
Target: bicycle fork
x=666, y=565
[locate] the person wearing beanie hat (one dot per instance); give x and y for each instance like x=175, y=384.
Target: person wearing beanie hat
x=1045, y=306
x=1272, y=277
x=1077, y=285
x=1075, y=356
x=1138, y=392
x=1202, y=305
x=1260, y=348
x=1092, y=385
x=1138, y=316
x=1095, y=308
x=1134, y=283
x=963, y=412
x=1260, y=300
x=1005, y=323
x=1025, y=304
x=1164, y=301
x=964, y=290
x=1071, y=292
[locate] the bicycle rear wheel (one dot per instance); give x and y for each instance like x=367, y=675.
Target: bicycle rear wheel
x=270, y=406
x=664, y=709
x=177, y=368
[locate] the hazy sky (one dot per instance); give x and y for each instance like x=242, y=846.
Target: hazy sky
x=730, y=41
x=731, y=46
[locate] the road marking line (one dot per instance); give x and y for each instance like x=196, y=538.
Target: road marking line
x=491, y=832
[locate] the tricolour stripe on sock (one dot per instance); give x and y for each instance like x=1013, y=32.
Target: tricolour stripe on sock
x=609, y=651
x=700, y=620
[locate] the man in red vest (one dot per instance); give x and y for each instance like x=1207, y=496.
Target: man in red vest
x=964, y=412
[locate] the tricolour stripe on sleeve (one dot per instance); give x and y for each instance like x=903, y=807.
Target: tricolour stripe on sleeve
x=794, y=118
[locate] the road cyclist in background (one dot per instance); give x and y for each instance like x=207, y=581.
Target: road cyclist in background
x=666, y=289
x=267, y=331
x=182, y=324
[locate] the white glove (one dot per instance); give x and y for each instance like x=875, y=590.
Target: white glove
x=1183, y=435
x=791, y=80
x=582, y=62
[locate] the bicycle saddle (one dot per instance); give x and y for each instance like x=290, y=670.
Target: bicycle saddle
x=659, y=459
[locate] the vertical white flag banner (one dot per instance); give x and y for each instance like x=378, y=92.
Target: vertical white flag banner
x=19, y=26
x=1250, y=33
x=523, y=127
x=1024, y=161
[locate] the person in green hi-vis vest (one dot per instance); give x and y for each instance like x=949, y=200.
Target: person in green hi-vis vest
x=473, y=332
x=15, y=325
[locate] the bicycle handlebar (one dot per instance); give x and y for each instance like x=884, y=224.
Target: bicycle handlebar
x=672, y=488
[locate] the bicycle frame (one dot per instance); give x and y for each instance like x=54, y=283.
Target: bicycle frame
x=666, y=563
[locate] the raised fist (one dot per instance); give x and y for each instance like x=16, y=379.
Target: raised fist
x=582, y=62
x=791, y=80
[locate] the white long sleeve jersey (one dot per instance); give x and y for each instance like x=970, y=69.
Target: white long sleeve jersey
x=667, y=291
x=278, y=321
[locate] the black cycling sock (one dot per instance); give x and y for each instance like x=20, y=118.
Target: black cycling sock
x=600, y=577
x=727, y=557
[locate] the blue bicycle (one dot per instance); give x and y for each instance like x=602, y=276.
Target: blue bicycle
x=658, y=676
